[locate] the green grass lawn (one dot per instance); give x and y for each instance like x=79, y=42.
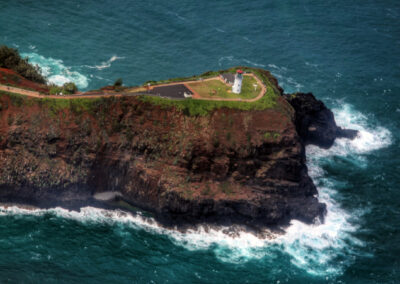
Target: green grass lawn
x=193, y=107
x=217, y=89
x=189, y=107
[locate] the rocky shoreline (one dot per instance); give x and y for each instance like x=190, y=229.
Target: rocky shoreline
x=231, y=167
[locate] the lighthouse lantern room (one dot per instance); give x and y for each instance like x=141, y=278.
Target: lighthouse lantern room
x=237, y=85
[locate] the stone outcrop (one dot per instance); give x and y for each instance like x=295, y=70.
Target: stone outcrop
x=227, y=167
x=315, y=123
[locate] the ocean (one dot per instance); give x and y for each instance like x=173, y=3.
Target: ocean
x=346, y=52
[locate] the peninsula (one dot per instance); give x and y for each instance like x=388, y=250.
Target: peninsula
x=187, y=150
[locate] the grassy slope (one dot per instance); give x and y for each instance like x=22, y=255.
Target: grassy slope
x=203, y=107
x=78, y=105
x=9, y=77
x=217, y=89
x=188, y=106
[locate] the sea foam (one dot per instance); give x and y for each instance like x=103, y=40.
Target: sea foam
x=317, y=247
x=56, y=72
x=105, y=64
x=322, y=250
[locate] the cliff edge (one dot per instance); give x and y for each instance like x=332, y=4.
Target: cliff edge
x=229, y=166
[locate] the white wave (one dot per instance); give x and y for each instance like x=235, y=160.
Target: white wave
x=273, y=66
x=369, y=138
x=323, y=250
x=292, y=82
x=253, y=63
x=176, y=15
x=247, y=39
x=285, y=81
x=316, y=247
x=105, y=64
x=238, y=61
x=231, y=247
x=311, y=247
x=224, y=58
x=56, y=72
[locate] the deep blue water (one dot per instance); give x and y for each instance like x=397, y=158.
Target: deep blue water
x=346, y=52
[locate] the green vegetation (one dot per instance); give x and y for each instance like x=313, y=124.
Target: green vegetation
x=190, y=107
x=10, y=58
x=217, y=89
x=269, y=135
x=226, y=188
x=77, y=106
x=205, y=75
x=203, y=107
x=118, y=82
x=248, y=89
x=66, y=89
x=206, y=191
x=70, y=88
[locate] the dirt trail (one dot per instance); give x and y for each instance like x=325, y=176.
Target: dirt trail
x=260, y=95
x=39, y=95
x=130, y=92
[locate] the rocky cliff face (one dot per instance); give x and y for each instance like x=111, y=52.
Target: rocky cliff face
x=315, y=123
x=228, y=167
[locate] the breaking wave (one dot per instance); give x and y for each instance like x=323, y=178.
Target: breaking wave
x=56, y=72
x=288, y=83
x=238, y=61
x=105, y=64
x=323, y=250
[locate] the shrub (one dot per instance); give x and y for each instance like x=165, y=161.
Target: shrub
x=10, y=58
x=69, y=88
x=54, y=90
x=118, y=82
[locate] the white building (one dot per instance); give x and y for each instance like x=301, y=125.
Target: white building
x=237, y=85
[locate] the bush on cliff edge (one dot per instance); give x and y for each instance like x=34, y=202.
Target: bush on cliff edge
x=66, y=89
x=10, y=58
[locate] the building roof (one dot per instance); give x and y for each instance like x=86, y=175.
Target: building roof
x=240, y=71
x=228, y=77
x=171, y=91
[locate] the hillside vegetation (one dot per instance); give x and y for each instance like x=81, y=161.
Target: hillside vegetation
x=10, y=58
x=194, y=107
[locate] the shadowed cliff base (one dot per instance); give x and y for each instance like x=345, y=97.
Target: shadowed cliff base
x=225, y=166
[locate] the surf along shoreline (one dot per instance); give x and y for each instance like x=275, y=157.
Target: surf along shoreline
x=209, y=182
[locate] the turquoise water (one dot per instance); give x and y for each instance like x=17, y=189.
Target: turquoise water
x=346, y=52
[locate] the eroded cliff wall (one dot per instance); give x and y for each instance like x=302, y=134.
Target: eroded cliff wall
x=229, y=166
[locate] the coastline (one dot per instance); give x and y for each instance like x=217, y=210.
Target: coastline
x=248, y=167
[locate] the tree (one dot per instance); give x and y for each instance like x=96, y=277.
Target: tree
x=10, y=59
x=70, y=88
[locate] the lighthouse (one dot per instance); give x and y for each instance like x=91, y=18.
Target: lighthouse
x=237, y=85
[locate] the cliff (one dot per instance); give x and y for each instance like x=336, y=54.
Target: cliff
x=230, y=166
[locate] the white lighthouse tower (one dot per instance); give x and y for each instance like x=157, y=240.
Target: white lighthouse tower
x=237, y=85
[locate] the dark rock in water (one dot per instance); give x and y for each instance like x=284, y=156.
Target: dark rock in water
x=346, y=133
x=315, y=123
x=227, y=167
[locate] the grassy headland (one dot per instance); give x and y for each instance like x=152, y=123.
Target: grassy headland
x=203, y=107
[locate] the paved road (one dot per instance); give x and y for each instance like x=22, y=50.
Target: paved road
x=130, y=92
x=259, y=96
